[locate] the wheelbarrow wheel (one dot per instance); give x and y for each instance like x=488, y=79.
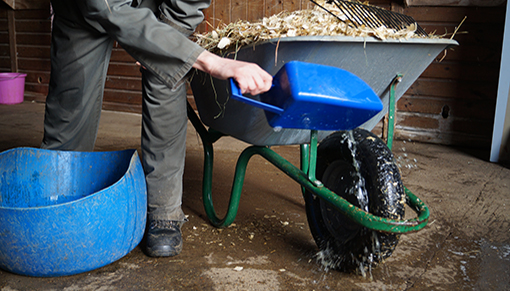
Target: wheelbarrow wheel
x=344, y=244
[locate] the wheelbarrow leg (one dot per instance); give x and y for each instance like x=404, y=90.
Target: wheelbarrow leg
x=208, y=137
x=305, y=158
x=411, y=199
x=392, y=112
x=309, y=159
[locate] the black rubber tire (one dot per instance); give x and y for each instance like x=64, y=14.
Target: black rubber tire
x=345, y=245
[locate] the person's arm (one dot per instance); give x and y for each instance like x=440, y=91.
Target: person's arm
x=250, y=77
x=161, y=49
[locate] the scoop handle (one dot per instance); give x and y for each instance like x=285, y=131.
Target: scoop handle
x=237, y=95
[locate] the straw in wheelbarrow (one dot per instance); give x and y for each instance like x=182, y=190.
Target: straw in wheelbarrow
x=317, y=97
x=328, y=19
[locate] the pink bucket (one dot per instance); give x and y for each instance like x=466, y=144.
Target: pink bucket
x=12, y=88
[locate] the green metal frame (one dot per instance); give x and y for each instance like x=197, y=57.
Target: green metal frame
x=392, y=110
x=304, y=176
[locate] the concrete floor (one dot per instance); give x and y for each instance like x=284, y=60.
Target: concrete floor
x=466, y=245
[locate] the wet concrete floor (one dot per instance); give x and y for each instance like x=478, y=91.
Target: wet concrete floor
x=466, y=245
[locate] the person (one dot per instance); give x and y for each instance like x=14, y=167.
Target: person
x=155, y=33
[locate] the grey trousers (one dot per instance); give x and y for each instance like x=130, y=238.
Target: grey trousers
x=80, y=55
x=164, y=121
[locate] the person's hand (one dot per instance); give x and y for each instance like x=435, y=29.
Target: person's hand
x=140, y=65
x=251, y=78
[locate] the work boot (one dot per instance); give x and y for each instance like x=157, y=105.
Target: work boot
x=164, y=238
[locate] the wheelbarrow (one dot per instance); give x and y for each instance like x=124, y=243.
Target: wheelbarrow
x=346, y=176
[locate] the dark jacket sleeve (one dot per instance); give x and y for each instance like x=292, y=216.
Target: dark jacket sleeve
x=159, y=47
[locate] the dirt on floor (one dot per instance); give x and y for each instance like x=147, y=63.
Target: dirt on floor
x=465, y=246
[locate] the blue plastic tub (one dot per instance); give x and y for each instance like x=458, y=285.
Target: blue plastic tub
x=64, y=213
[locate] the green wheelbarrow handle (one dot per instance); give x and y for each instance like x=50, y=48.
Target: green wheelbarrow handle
x=356, y=214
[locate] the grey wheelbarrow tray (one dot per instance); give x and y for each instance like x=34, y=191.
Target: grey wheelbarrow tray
x=381, y=64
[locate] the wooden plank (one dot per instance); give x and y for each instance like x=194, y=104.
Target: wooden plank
x=27, y=4
x=32, y=4
x=447, y=108
x=35, y=97
x=123, y=69
x=293, y=5
x=38, y=39
x=5, y=64
x=37, y=77
x=33, y=26
x=381, y=3
x=12, y=41
x=123, y=96
x=417, y=121
x=445, y=138
x=480, y=35
x=34, y=65
x=437, y=123
x=35, y=14
x=454, y=2
x=469, y=126
x=306, y=4
x=481, y=15
x=204, y=26
x=124, y=83
x=220, y=12
x=120, y=55
x=5, y=50
x=34, y=52
x=421, y=104
x=239, y=10
x=4, y=38
x=255, y=10
x=467, y=33
x=453, y=89
x=462, y=71
x=35, y=88
x=397, y=7
x=471, y=51
x=4, y=25
x=273, y=7
x=114, y=106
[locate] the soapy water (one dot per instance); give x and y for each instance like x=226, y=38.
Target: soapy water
x=358, y=189
x=371, y=257
x=504, y=252
x=480, y=262
x=404, y=161
x=327, y=258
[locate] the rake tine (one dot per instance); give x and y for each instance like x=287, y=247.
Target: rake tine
x=374, y=17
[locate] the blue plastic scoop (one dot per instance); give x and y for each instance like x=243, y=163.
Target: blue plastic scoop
x=318, y=97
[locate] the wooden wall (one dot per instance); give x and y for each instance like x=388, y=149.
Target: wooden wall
x=453, y=102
